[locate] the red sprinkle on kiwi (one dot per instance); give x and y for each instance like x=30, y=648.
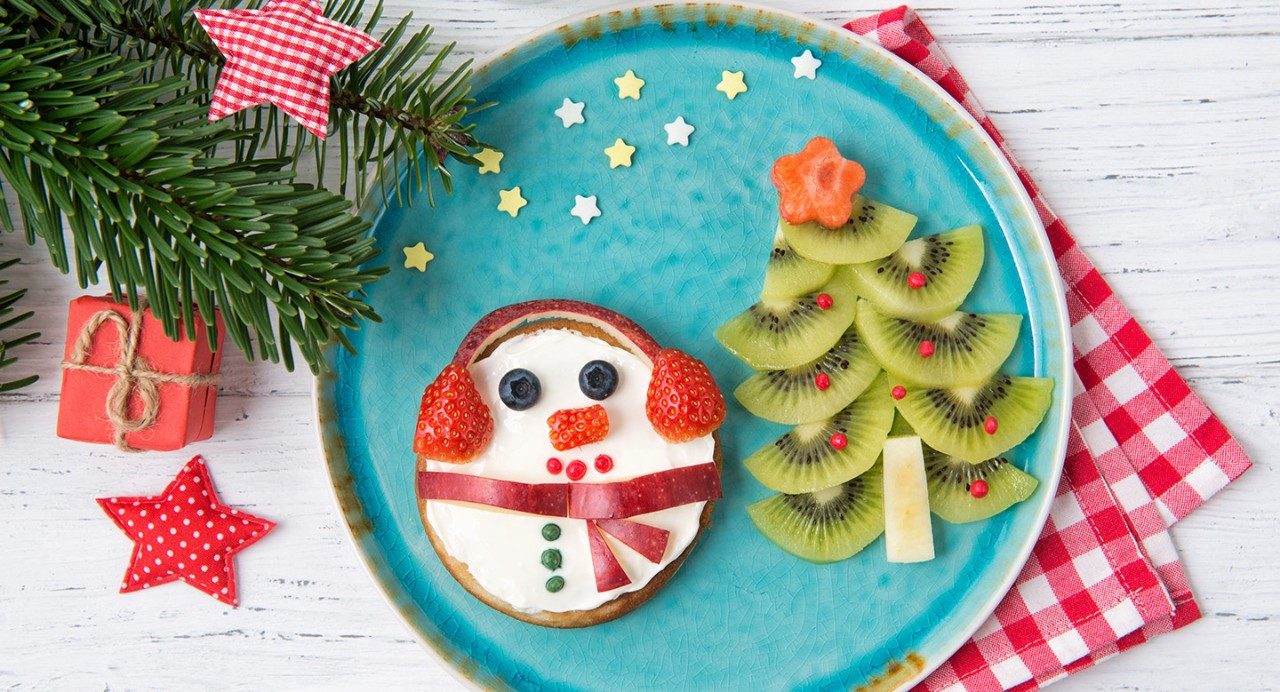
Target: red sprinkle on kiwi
x=822, y=381
x=824, y=301
x=978, y=489
x=991, y=425
x=899, y=392
x=575, y=470
x=839, y=441
x=916, y=280
x=926, y=348
x=554, y=465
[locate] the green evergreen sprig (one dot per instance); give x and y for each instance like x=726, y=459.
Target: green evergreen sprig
x=8, y=320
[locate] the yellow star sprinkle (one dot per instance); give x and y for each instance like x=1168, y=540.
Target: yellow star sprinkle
x=490, y=161
x=620, y=154
x=511, y=202
x=416, y=257
x=629, y=86
x=731, y=84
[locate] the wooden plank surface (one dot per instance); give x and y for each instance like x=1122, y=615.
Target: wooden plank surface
x=1153, y=127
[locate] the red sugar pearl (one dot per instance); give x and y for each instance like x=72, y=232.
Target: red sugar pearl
x=554, y=465
x=822, y=381
x=991, y=425
x=604, y=463
x=916, y=280
x=575, y=470
x=839, y=441
x=898, y=392
x=979, y=489
x=824, y=301
x=926, y=348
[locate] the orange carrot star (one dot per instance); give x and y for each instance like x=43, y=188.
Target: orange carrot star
x=817, y=184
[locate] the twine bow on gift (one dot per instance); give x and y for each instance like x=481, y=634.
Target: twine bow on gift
x=132, y=373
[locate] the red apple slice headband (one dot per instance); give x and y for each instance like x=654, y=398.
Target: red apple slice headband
x=455, y=425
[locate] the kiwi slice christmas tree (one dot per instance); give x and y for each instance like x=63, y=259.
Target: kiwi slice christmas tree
x=851, y=463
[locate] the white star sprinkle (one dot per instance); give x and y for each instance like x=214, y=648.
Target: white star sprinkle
x=570, y=113
x=678, y=131
x=806, y=65
x=585, y=208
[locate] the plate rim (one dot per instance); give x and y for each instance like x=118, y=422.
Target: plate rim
x=334, y=453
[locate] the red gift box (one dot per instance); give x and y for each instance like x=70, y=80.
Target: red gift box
x=125, y=383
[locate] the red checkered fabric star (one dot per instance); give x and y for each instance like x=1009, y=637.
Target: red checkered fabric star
x=185, y=533
x=284, y=53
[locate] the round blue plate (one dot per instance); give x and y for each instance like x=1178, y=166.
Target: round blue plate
x=680, y=247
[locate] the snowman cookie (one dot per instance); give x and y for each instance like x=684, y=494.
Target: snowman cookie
x=566, y=462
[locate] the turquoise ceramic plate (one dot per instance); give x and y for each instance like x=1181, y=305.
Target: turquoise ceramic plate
x=680, y=247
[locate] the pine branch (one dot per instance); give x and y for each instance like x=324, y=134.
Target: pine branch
x=129, y=167
x=7, y=322
x=380, y=108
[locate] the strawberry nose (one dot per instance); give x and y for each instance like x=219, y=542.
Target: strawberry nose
x=574, y=427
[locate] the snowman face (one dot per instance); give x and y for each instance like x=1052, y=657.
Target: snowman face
x=527, y=380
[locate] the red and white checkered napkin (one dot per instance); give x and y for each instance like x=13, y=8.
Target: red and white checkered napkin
x=1144, y=451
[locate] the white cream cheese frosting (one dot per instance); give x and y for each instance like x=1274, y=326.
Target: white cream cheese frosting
x=503, y=550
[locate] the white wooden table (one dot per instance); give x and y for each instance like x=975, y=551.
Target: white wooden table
x=1153, y=127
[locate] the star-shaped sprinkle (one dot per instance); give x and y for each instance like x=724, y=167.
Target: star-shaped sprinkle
x=570, y=113
x=806, y=65
x=678, y=131
x=511, y=202
x=619, y=154
x=416, y=257
x=732, y=84
x=490, y=160
x=284, y=53
x=585, y=208
x=629, y=86
x=185, y=533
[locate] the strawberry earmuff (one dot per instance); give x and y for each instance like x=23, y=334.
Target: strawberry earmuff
x=454, y=424
x=683, y=402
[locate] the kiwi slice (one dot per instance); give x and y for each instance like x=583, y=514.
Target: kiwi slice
x=955, y=420
x=966, y=347
x=792, y=396
x=825, y=525
x=788, y=274
x=777, y=334
x=948, y=262
x=807, y=459
x=873, y=231
x=950, y=486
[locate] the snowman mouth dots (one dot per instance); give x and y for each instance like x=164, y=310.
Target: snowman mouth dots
x=566, y=462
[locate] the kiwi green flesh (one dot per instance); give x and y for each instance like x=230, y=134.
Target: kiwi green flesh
x=950, y=263
x=967, y=347
x=790, y=396
x=873, y=231
x=951, y=420
x=949, y=481
x=803, y=459
x=788, y=274
x=780, y=334
x=827, y=525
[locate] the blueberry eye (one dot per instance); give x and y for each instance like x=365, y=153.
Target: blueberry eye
x=598, y=379
x=519, y=389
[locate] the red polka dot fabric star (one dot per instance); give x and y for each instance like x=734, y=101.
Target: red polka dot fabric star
x=185, y=533
x=284, y=53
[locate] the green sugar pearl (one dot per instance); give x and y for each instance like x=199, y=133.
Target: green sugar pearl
x=554, y=584
x=551, y=559
x=550, y=532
